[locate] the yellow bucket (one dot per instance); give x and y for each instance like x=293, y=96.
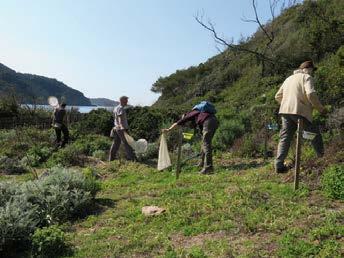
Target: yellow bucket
x=187, y=136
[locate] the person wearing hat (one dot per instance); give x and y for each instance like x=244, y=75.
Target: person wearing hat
x=59, y=124
x=297, y=98
x=120, y=129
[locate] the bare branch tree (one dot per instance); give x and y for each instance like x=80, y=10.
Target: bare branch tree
x=265, y=55
x=269, y=36
x=210, y=27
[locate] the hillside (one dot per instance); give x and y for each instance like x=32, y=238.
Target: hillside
x=30, y=88
x=237, y=78
x=103, y=102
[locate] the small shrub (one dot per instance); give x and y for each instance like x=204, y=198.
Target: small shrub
x=71, y=155
x=332, y=182
x=11, y=166
x=227, y=132
x=18, y=219
x=58, y=195
x=91, y=183
x=49, y=242
x=99, y=154
x=37, y=155
x=249, y=146
x=152, y=151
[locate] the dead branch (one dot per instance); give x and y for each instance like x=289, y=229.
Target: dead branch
x=210, y=27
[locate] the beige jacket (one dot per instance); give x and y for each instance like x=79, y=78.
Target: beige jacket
x=297, y=95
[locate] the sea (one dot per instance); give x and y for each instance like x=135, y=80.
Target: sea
x=81, y=109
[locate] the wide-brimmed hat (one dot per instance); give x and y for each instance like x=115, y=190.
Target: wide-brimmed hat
x=308, y=64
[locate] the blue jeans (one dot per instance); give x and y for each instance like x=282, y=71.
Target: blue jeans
x=289, y=127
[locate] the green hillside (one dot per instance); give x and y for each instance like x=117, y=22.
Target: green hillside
x=34, y=89
x=237, y=79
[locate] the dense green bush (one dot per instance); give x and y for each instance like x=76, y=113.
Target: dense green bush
x=330, y=78
x=144, y=123
x=99, y=121
x=227, y=132
x=37, y=155
x=332, y=181
x=49, y=242
x=71, y=155
x=18, y=219
x=76, y=152
x=58, y=195
x=91, y=143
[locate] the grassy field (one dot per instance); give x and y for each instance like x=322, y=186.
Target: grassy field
x=243, y=210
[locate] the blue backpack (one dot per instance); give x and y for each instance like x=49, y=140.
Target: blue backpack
x=205, y=106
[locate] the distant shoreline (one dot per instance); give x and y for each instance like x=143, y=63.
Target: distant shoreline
x=81, y=109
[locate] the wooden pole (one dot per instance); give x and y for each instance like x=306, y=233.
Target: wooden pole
x=180, y=139
x=298, y=153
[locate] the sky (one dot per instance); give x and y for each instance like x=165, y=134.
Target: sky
x=109, y=48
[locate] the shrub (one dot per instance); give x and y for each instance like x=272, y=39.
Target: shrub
x=58, y=195
x=332, y=182
x=11, y=166
x=250, y=146
x=99, y=154
x=49, y=242
x=91, y=184
x=88, y=144
x=37, y=155
x=98, y=121
x=144, y=123
x=18, y=219
x=71, y=155
x=227, y=132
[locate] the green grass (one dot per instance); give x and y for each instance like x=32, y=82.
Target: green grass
x=240, y=213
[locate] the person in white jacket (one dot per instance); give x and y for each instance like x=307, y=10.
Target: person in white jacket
x=297, y=98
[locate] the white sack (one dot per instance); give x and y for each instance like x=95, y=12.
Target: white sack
x=164, y=160
x=139, y=146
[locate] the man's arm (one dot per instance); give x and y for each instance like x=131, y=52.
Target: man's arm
x=314, y=100
x=311, y=94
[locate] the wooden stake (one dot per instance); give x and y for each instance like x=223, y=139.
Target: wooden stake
x=298, y=153
x=180, y=139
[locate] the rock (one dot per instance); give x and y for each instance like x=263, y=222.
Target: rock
x=152, y=210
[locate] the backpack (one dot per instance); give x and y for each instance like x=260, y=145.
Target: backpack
x=205, y=106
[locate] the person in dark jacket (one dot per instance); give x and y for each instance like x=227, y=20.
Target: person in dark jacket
x=208, y=124
x=59, y=124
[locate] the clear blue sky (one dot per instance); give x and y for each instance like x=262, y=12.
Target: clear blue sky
x=108, y=48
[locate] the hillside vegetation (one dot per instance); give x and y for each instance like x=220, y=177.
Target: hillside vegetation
x=237, y=80
x=71, y=202
x=35, y=89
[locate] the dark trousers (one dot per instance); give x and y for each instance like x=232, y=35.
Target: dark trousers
x=62, y=130
x=209, y=128
x=118, y=138
x=289, y=127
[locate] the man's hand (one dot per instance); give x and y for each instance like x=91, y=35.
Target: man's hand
x=166, y=130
